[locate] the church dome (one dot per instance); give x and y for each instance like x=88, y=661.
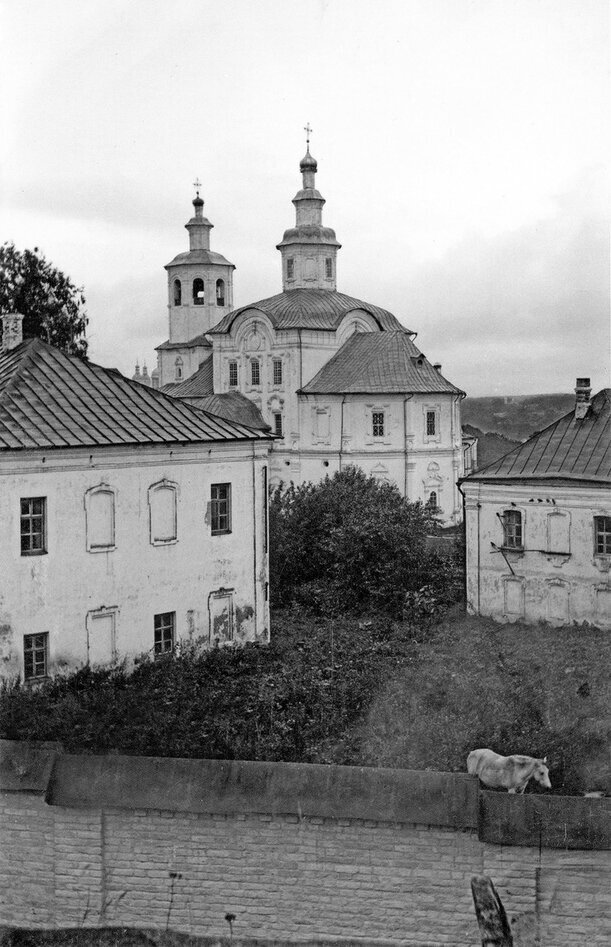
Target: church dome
x=308, y=163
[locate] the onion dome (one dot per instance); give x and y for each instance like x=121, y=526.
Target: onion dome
x=308, y=163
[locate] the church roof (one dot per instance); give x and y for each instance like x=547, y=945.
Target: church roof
x=49, y=399
x=197, y=342
x=204, y=257
x=569, y=449
x=199, y=384
x=231, y=405
x=310, y=309
x=378, y=363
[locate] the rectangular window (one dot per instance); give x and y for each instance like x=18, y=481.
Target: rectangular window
x=602, y=535
x=165, y=630
x=255, y=374
x=377, y=418
x=277, y=371
x=278, y=424
x=33, y=526
x=431, y=424
x=233, y=374
x=35, y=656
x=220, y=508
x=512, y=529
x=328, y=268
x=290, y=269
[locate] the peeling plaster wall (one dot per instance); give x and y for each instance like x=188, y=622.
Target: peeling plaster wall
x=60, y=591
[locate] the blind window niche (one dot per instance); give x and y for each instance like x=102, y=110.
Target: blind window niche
x=163, y=518
x=100, y=518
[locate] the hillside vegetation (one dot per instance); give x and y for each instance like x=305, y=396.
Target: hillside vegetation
x=369, y=691
x=490, y=446
x=518, y=417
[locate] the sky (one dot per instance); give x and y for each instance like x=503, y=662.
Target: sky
x=462, y=145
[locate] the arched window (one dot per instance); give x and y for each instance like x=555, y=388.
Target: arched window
x=220, y=292
x=100, y=518
x=162, y=498
x=432, y=500
x=177, y=292
x=178, y=369
x=198, y=291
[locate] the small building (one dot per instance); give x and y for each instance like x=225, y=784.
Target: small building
x=132, y=521
x=538, y=522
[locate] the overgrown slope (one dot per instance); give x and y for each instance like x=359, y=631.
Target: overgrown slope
x=369, y=691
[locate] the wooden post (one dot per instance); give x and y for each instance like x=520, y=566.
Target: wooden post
x=493, y=924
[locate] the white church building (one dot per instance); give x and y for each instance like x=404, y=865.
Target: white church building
x=339, y=381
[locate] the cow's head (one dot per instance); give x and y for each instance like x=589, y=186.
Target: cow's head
x=541, y=773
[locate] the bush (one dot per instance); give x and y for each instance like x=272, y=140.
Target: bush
x=352, y=543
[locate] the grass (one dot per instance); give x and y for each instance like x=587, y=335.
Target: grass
x=356, y=691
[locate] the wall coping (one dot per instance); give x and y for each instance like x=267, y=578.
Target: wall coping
x=305, y=790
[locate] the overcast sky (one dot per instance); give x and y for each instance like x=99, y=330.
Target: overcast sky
x=462, y=146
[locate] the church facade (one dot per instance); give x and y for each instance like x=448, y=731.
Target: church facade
x=338, y=380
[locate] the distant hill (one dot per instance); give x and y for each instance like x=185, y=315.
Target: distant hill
x=490, y=446
x=515, y=417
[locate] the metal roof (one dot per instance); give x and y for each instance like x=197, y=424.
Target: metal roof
x=569, y=449
x=197, y=342
x=198, y=385
x=378, y=362
x=198, y=390
x=49, y=399
x=202, y=257
x=310, y=309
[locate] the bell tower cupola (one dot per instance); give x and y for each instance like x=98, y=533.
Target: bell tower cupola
x=309, y=250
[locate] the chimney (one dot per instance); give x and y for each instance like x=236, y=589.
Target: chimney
x=12, y=335
x=582, y=398
x=437, y=367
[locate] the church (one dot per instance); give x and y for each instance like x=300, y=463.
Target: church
x=338, y=381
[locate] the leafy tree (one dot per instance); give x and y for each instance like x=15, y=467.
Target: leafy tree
x=349, y=542
x=52, y=306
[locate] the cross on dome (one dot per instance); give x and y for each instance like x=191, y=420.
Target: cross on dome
x=197, y=184
x=308, y=132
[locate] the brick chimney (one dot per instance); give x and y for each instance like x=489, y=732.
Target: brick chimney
x=437, y=366
x=11, y=330
x=582, y=398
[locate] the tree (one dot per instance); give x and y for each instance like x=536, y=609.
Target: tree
x=348, y=542
x=52, y=306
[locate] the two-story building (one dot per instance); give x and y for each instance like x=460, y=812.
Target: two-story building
x=131, y=521
x=538, y=522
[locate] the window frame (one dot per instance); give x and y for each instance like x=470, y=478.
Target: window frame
x=220, y=516
x=162, y=623
x=93, y=491
x=378, y=424
x=29, y=517
x=255, y=373
x=278, y=423
x=512, y=522
x=328, y=267
x=277, y=372
x=233, y=371
x=602, y=534
x=177, y=292
x=431, y=423
x=290, y=268
x=152, y=490
x=44, y=647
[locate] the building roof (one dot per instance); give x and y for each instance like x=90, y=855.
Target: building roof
x=198, y=390
x=49, y=399
x=203, y=257
x=310, y=309
x=378, y=362
x=569, y=449
x=197, y=342
x=198, y=385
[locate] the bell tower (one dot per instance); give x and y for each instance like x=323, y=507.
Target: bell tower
x=200, y=293
x=309, y=250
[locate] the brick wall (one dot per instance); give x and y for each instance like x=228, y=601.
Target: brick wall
x=268, y=843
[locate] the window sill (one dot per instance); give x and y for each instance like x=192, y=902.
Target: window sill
x=164, y=542
x=94, y=549
x=34, y=552
x=220, y=532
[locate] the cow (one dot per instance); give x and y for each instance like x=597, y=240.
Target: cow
x=507, y=772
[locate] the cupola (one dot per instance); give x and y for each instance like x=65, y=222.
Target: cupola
x=309, y=250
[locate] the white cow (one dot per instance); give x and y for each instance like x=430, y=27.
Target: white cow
x=508, y=772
